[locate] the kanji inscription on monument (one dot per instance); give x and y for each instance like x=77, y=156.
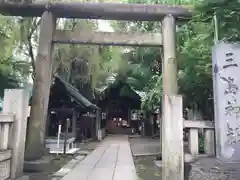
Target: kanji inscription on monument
x=4, y=170
x=226, y=78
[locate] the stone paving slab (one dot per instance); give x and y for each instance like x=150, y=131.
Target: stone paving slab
x=111, y=160
x=125, y=173
x=100, y=173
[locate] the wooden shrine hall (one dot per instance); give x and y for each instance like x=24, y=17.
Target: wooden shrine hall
x=118, y=101
x=65, y=102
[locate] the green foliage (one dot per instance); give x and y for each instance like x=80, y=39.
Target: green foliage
x=201, y=143
x=195, y=41
x=64, y=54
x=195, y=79
x=13, y=69
x=228, y=14
x=153, y=98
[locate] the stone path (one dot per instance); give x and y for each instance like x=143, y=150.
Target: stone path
x=111, y=160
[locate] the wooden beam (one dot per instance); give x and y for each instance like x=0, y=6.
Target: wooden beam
x=107, y=38
x=109, y=11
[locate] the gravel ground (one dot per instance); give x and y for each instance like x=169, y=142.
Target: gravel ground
x=146, y=169
x=59, y=161
x=202, y=169
x=144, y=151
x=145, y=166
x=56, y=164
x=212, y=169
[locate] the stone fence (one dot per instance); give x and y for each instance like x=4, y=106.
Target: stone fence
x=193, y=138
x=13, y=124
x=6, y=122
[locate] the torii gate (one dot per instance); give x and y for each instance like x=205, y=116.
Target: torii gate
x=172, y=126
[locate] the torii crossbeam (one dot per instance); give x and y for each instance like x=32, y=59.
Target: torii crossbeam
x=108, y=11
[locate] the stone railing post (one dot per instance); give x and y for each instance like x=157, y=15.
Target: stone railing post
x=193, y=141
x=16, y=102
x=209, y=142
x=4, y=135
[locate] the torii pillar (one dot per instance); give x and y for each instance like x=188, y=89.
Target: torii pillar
x=172, y=121
x=35, y=143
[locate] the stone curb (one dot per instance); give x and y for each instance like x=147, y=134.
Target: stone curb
x=67, y=168
x=24, y=177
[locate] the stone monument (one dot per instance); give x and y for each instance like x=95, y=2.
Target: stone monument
x=226, y=81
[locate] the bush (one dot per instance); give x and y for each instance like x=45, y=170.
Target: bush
x=201, y=143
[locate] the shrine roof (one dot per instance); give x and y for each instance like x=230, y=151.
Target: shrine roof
x=76, y=95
